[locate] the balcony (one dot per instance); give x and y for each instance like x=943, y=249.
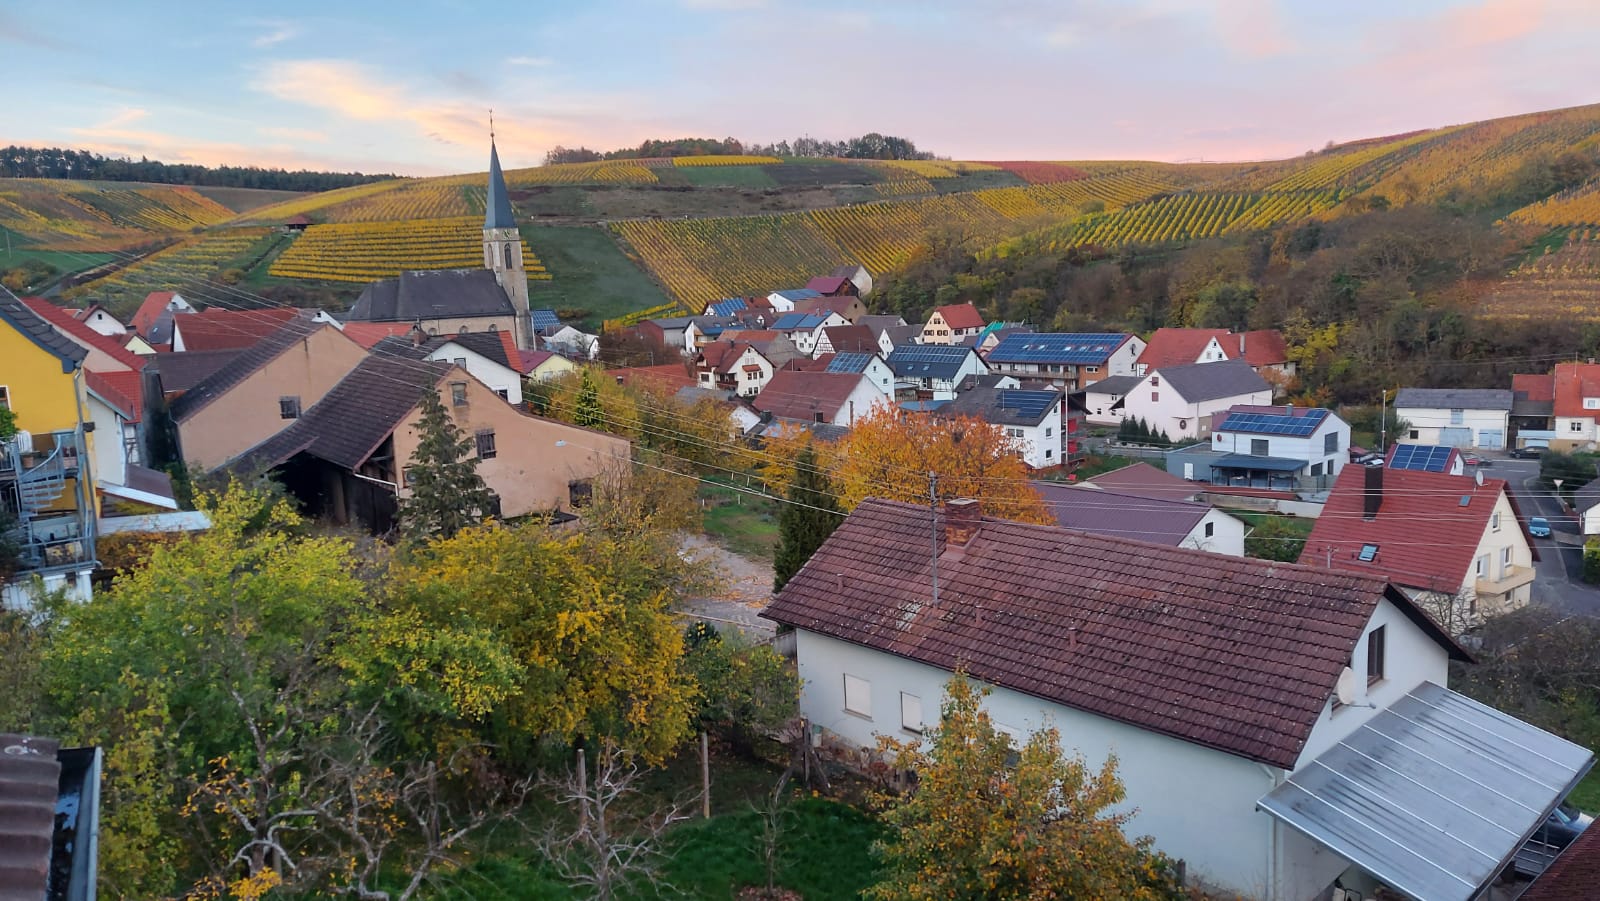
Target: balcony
x=1511, y=578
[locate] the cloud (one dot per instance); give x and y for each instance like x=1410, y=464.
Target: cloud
x=533, y=61
x=277, y=32
x=338, y=86
x=16, y=31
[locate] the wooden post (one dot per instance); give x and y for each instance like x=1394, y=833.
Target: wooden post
x=705, y=775
x=583, y=793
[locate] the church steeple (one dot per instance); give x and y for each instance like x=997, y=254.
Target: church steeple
x=502, y=246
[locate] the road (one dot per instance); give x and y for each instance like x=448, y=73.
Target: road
x=1558, y=576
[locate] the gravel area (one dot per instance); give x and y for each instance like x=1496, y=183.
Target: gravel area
x=746, y=587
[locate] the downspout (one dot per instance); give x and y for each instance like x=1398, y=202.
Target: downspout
x=1274, y=776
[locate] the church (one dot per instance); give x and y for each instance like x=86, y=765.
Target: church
x=456, y=301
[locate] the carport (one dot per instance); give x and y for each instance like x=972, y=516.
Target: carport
x=1434, y=795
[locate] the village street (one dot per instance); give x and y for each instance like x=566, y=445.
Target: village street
x=1558, y=575
x=746, y=588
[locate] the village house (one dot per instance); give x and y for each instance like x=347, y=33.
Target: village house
x=215, y=328
x=487, y=355
x=880, y=327
x=1034, y=421
x=1183, y=401
x=1265, y=350
x=732, y=367
x=1283, y=448
x=702, y=330
x=1146, y=481
x=994, y=333
x=805, y=329
x=152, y=322
x=1069, y=360
x=834, y=286
x=572, y=343
x=932, y=371
x=855, y=339
x=1533, y=410
x=869, y=364
x=1105, y=401
x=1586, y=504
x=820, y=398
x=847, y=305
x=1243, y=699
x=1172, y=522
x=1457, y=545
x=100, y=319
x=858, y=276
x=345, y=457
x=950, y=324
x=1456, y=417
x=775, y=346
x=784, y=301
x=1573, y=390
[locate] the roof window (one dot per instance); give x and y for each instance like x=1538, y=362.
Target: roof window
x=1369, y=552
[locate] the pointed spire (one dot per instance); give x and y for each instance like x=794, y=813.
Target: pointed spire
x=497, y=209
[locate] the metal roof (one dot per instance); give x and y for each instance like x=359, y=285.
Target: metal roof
x=1422, y=457
x=1432, y=795
x=727, y=307
x=1251, y=461
x=497, y=205
x=1057, y=347
x=1453, y=398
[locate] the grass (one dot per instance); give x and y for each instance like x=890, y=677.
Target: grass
x=728, y=176
x=1586, y=797
x=589, y=272
x=1099, y=464
x=742, y=523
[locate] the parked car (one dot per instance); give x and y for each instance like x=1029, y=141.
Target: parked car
x=1564, y=824
x=1527, y=453
x=1474, y=460
x=1539, y=527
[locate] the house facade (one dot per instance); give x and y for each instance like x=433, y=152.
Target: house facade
x=1183, y=401
x=951, y=324
x=805, y=329
x=1210, y=741
x=1034, y=421
x=1105, y=401
x=933, y=371
x=1288, y=447
x=1456, y=417
x=826, y=398
x=731, y=367
x=1068, y=360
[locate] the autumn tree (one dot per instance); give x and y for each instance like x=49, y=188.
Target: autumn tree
x=989, y=820
x=890, y=456
x=806, y=521
x=447, y=493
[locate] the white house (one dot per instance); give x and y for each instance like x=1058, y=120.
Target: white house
x=951, y=324
x=1033, y=420
x=469, y=351
x=934, y=370
x=829, y=398
x=784, y=301
x=1261, y=446
x=97, y=318
x=1182, y=400
x=1104, y=400
x=804, y=329
x=870, y=365
x=1218, y=693
x=1455, y=417
x=573, y=343
x=731, y=366
x=1171, y=521
x=1586, y=501
x=1070, y=360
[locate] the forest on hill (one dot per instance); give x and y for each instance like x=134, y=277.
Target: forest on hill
x=871, y=146
x=59, y=162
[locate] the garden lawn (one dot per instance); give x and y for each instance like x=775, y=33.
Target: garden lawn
x=746, y=524
x=589, y=272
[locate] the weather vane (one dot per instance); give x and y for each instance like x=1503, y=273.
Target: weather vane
x=491, y=123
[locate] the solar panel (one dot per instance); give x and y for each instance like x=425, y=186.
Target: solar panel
x=850, y=362
x=1271, y=424
x=727, y=307
x=1368, y=553
x=1031, y=404
x=1061, y=347
x=1421, y=457
x=545, y=321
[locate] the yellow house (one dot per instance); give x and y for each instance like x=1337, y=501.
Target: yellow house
x=47, y=466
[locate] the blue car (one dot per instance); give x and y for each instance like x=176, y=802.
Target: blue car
x=1539, y=527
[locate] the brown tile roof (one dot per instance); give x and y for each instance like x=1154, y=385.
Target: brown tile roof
x=828, y=284
x=121, y=389
x=214, y=329
x=1178, y=346
x=155, y=303
x=793, y=394
x=218, y=383
x=852, y=339
x=180, y=372
x=1147, y=480
x=720, y=356
x=1230, y=653
x=29, y=775
x=1425, y=537
x=1574, y=874
x=367, y=334
x=1536, y=387
x=349, y=423
x=961, y=315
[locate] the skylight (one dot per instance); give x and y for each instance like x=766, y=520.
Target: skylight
x=1369, y=552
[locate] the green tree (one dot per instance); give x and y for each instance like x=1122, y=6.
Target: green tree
x=746, y=691
x=447, y=494
x=1276, y=537
x=1591, y=561
x=587, y=410
x=988, y=820
x=807, y=520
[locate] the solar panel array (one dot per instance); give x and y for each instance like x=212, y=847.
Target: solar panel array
x=1057, y=347
x=1420, y=457
x=928, y=359
x=851, y=362
x=727, y=307
x=797, y=320
x=545, y=322
x=1029, y=404
x=1272, y=424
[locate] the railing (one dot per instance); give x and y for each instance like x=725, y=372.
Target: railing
x=1511, y=578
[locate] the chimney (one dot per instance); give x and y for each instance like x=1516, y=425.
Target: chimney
x=962, y=518
x=1288, y=409
x=1372, y=494
x=1241, y=344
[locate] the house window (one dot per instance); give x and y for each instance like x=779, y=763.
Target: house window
x=1155, y=382
x=1049, y=431
x=485, y=440
x=5, y=397
x=460, y=361
x=1505, y=561
x=505, y=394
x=580, y=492
x=857, y=696
x=1211, y=529
x=1457, y=417
x=1591, y=403
x=1258, y=447
x=1316, y=469
x=1330, y=443
x=458, y=394
x=1481, y=567
x=1494, y=521
x=1014, y=433
x=1575, y=426
x=1091, y=369
x=1155, y=397
x=289, y=406
x=1375, y=655
x=1413, y=434
x=910, y=713
x=1049, y=453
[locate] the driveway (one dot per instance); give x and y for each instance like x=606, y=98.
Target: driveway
x=1558, y=576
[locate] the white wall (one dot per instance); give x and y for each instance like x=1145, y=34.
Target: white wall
x=1227, y=534
x=1430, y=422
x=1099, y=407
x=105, y=324
x=496, y=375
x=1198, y=804
x=864, y=398
x=1494, y=540
x=1165, y=410
x=1123, y=360
x=1312, y=448
x=1039, y=445
x=109, y=456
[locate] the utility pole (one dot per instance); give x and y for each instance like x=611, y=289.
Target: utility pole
x=1383, y=422
x=933, y=523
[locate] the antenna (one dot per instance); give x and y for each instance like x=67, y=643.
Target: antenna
x=1349, y=690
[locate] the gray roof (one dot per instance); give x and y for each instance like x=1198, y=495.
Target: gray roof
x=929, y=361
x=1433, y=795
x=1005, y=406
x=1587, y=496
x=434, y=294
x=878, y=322
x=1119, y=515
x=245, y=363
x=1196, y=382
x=484, y=344
x=1454, y=398
x=497, y=209
x=39, y=330
x=29, y=772
x=1115, y=384
x=903, y=334
x=182, y=371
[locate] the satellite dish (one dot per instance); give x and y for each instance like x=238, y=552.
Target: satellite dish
x=1479, y=476
x=1349, y=689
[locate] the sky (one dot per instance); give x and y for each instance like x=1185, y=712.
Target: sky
x=406, y=87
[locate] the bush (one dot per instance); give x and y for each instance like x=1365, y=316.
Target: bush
x=1574, y=471
x=1591, y=561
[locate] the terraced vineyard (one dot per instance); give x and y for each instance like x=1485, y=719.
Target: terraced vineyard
x=1578, y=206
x=1562, y=285
x=81, y=214
x=189, y=265
x=368, y=251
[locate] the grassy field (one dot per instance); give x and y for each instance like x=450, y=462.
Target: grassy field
x=731, y=176
x=244, y=199
x=742, y=523
x=589, y=272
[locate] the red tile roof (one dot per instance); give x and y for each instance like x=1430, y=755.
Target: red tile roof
x=1536, y=387
x=155, y=303
x=1235, y=654
x=1179, y=346
x=961, y=315
x=214, y=329
x=367, y=334
x=794, y=394
x=828, y=284
x=721, y=356
x=123, y=389
x=1575, y=873
x=854, y=339
x=1425, y=537
x=1264, y=347
x=82, y=335
x=1574, y=382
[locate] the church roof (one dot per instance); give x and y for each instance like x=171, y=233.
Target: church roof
x=441, y=294
x=497, y=211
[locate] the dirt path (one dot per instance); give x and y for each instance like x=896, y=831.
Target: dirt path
x=747, y=586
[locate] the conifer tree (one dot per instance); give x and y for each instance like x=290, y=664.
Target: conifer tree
x=447, y=494
x=807, y=520
x=587, y=411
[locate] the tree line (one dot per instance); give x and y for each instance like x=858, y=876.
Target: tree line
x=871, y=146
x=60, y=162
